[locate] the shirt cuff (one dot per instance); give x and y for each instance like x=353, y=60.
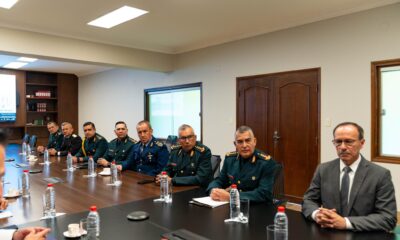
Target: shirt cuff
x=7, y=233
x=313, y=215
x=349, y=226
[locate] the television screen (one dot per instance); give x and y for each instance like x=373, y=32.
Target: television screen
x=8, y=98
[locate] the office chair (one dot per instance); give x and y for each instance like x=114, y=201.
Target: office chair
x=25, y=139
x=33, y=141
x=278, y=192
x=171, y=140
x=215, y=163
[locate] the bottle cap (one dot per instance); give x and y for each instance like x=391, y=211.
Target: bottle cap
x=281, y=209
x=113, y=162
x=26, y=170
x=163, y=173
x=234, y=186
x=93, y=208
x=50, y=184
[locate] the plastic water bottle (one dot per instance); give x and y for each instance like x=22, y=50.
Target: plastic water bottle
x=91, y=168
x=234, y=202
x=25, y=184
x=49, y=208
x=93, y=224
x=114, y=174
x=46, y=157
x=28, y=149
x=165, y=188
x=281, y=224
x=24, y=148
x=70, y=167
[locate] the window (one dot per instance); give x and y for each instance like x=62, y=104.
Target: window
x=385, y=111
x=168, y=108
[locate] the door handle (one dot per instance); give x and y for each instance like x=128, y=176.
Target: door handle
x=276, y=136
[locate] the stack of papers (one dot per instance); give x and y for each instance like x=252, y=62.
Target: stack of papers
x=207, y=202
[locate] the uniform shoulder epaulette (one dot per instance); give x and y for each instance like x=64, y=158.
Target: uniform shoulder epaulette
x=175, y=147
x=199, y=148
x=132, y=140
x=99, y=137
x=158, y=143
x=264, y=156
x=74, y=135
x=114, y=140
x=231, y=154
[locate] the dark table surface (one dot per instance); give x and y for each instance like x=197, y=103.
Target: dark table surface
x=76, y=194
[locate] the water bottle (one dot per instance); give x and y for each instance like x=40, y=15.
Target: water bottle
x=165, y=188
x=281, y=224
x=28, y=149
x=234, y=202
x=70, y=167
x=49, y=208
x=46, y=157
x=91, y=168
x=24, y=148
x=25, y=184
x=93, y=224
x=114, y=174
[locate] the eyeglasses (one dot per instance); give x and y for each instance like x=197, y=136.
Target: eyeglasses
x=184, y=138
x=347, y=142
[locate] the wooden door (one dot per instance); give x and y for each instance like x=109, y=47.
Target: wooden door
x=283, y=111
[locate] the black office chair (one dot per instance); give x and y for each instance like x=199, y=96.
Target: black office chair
x=25, y=139
x=215, y=163
x=171, y=140
x=278, y=192
x=33, y=141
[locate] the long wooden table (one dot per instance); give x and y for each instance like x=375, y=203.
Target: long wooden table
x=76, y=194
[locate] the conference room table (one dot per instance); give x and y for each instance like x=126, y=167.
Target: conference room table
x=76, y=194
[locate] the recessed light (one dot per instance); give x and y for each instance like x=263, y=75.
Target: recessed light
x=27, y=59
x=7, y=3
x=118, y=16
x=15, y=65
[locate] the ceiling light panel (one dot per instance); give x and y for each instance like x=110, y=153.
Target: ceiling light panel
x=118, y=16
x=7, y=3
x=15, y=65
x=27, y=59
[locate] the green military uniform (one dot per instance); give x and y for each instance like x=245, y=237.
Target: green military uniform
x=95, y=146
x=55, y=140
x=119, y=150
x=190, y=168
x=254, y=176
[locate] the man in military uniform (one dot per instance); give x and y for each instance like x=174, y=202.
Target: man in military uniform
x=250, y=169
x=55, y=138
x=93, y=145
x=119, y=148
x=189, y=161
x=149, y=156
x=71, y=142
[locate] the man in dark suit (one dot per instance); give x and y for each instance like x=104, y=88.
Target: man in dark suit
x=351, y=192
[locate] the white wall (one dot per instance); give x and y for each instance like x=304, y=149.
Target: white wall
x=343, y=47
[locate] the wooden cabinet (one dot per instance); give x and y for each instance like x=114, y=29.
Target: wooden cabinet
x=43, y=97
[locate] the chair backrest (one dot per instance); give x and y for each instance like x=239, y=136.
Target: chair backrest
x=171, y=140
x=215, y=163
x=278, y=192
x=25, y=138
x=33, y=141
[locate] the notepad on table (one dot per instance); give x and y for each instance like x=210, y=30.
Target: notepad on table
x=207, y=202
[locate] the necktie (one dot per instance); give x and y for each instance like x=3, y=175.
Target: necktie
x=344, y=191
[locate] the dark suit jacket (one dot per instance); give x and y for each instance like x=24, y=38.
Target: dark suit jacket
x=372, y=204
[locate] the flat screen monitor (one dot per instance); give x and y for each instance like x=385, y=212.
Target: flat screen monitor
x=8, y=98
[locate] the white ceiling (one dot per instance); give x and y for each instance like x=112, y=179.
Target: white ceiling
x=172, y=26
